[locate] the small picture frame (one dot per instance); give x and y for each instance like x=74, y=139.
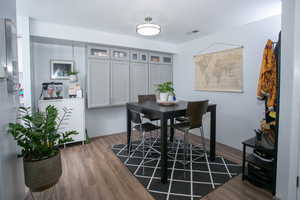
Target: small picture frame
x=60, y=69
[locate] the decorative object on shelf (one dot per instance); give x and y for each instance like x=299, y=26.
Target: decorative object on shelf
x=165, y=90
x=73, y=76
x=147, y=28
x=75, y=91
x=39, y=139
x=220, y=71
x=60, y=69
x=52, y=90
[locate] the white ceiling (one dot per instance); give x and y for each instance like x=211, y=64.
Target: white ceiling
x=176, y=17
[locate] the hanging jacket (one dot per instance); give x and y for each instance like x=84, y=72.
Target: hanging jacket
x=267, y=78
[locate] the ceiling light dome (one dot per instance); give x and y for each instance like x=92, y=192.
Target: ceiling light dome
x=148, y=29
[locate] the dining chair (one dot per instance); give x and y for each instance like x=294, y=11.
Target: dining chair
x=192, y=120
x=151, y=98
x=143, y=128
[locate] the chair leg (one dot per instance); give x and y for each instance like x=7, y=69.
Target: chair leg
x=143, y=140
x=184, y=150
x=203, y=139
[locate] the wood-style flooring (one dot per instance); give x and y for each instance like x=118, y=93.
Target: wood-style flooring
x=93, y=172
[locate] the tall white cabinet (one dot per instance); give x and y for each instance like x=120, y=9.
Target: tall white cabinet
x=98, y=82
x=76, y=120
x=116, y=76
x=119, y=82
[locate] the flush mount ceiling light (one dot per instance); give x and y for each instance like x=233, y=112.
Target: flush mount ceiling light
x=148, y=29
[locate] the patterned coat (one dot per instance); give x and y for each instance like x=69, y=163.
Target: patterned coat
x=267, y=78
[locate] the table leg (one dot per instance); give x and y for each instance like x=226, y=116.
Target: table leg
x=128, y=128
x=244, y=161
x=213, y=134
x=171, y=130
x=164, y=149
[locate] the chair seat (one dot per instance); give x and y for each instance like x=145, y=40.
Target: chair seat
x=182, y=119
x=183, y=126
x=147, y=127
x=151, y=117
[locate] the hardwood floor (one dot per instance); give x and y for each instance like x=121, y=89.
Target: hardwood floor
x=93, y=172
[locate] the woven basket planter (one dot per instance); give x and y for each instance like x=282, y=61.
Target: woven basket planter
x=42, y=174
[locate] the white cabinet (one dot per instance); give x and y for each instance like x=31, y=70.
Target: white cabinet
x=159, y=73
x=76, y=121
x=98, y=82
x=138, y=56
x=156, y=58
x=119, y=82
x=98, y=52
x=138, y=80
x=116, y=76
x=119, y=54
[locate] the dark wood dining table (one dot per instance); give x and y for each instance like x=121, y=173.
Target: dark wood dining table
x=166, y=113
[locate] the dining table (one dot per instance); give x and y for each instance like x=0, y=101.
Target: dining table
x=165, y=114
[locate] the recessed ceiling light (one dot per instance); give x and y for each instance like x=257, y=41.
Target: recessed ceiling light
x=147, y=28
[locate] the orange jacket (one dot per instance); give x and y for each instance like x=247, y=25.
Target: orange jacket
x=267, y=78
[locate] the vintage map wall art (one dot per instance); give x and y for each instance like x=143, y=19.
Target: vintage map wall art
x=220, y=71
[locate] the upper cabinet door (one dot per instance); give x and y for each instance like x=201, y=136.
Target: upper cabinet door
x=159, y=73
x=139, y=56
x=155, y=58
x=98, y=83
x=134, y=56
x=167, y=59
x=98, y=52
x=119, y=83
x=144, y=57
x=119, y=54
x=138, y=80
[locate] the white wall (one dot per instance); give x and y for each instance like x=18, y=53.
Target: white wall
x=64, y=32
x=237, y=113
x=288, y=141
x=99, y=121
x=11, y=172
x=24, y=58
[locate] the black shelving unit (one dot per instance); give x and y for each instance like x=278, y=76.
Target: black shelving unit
x=263, y=176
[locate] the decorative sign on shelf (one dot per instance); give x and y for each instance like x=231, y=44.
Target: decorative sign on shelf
x=220, y=71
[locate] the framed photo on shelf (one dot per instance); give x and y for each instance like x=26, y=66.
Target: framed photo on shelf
x=60, y=69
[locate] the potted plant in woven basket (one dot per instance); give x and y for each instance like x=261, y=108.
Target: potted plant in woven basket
x=39, y=138
x=166, y=91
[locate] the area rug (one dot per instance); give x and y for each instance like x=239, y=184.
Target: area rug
x=200, y=177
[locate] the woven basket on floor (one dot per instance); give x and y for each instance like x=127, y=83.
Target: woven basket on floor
x=42, y=174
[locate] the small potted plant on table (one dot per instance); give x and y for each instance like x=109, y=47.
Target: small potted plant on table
x=39, y=139
x=166, y=91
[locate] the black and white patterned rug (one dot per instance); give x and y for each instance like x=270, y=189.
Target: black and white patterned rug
x=200, y=177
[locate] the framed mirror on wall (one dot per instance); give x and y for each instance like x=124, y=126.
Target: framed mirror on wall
x=61, y=69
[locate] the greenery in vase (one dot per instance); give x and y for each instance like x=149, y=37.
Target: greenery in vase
x=38, y=134
x=166, y=87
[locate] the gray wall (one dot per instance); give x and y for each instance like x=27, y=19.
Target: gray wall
x=11, y=174
x=99, y=121
x=237, y=113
